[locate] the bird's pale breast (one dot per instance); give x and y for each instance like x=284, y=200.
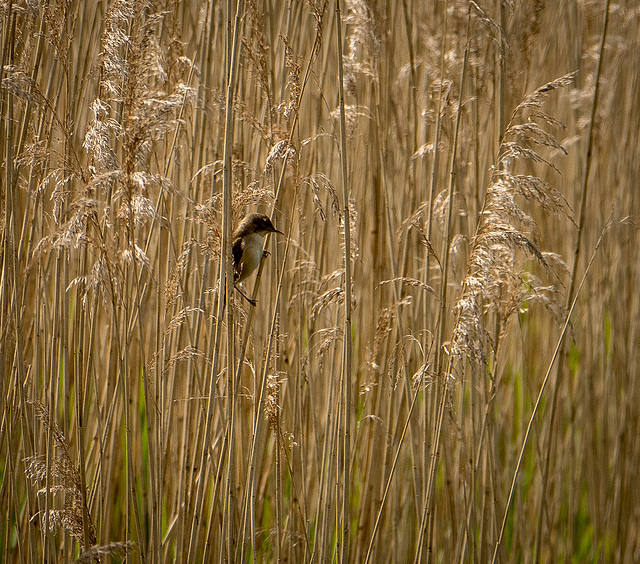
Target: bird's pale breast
x=251, y=254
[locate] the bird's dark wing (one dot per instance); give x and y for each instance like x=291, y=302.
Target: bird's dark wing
x=237, y=256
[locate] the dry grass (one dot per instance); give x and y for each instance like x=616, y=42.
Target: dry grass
x=443, y=362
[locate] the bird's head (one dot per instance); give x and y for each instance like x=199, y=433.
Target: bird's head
x=255, y=224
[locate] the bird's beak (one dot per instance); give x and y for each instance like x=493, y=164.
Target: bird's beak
x=277, y=231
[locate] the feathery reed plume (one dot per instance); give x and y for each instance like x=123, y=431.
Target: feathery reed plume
x=271, y=405
x=363, y=43
x=132, y=74
x=293, y=85
x=66, y=480
x=98, y=552
x=494, y=281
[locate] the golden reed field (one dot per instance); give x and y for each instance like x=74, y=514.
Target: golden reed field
x=443, y=361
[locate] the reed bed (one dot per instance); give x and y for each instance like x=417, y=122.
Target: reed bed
x=442, y=365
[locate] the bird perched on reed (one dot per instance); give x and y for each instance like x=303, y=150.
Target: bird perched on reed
x=248, y=240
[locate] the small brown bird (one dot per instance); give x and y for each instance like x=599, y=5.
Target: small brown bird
x=248, y=239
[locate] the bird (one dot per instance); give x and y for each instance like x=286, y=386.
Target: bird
x=247, y=241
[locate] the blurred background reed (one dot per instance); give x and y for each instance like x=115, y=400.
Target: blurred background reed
x=466, y=390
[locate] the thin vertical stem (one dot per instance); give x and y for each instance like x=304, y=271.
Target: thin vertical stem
x=346, y=367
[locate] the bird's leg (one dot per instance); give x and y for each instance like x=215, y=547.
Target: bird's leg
x=252, y=302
